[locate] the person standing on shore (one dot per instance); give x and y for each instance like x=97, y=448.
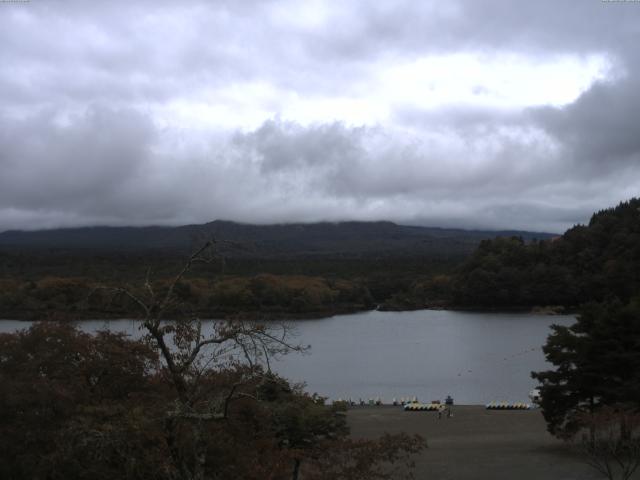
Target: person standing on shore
x=449, y=403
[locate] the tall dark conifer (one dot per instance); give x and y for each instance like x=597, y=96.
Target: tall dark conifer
x=597, y=363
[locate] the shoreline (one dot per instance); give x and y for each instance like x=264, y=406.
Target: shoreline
x=276, y=315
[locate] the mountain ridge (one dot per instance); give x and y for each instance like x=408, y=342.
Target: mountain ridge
x=274, y=239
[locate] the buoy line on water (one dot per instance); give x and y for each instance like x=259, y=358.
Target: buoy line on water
x=485, y=360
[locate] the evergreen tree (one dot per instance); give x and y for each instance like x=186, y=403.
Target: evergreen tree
x=597, y=364
x=587, y=263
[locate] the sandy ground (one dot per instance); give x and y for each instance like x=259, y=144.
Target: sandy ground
x=477, y=444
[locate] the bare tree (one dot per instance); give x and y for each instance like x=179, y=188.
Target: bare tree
x=189, y=352
x=612, y=445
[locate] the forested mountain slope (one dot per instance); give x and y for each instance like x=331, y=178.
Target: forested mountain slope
x=588, y=263
x=350, y=238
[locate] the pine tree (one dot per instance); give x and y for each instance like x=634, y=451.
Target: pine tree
x=597, y=364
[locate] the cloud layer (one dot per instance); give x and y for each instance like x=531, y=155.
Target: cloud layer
x=468, y=114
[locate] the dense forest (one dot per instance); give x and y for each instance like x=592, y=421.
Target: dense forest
x=340, y=239
x=251, y=277
x=296, y=270
x=588, y=263
x=72, y=286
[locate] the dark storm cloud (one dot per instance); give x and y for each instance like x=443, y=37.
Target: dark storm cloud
x=538, y=28
x=67, y=158
x=288, y=146
x=107, y=167
x=599, y=130
x=89, y=93
x=372, y=162
x=78, y=165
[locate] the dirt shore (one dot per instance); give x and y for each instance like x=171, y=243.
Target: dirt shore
x=477, y=444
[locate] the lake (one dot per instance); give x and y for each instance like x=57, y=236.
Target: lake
x=474, y=357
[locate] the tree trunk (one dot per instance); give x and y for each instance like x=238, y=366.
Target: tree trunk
x=200, y=446
x=170, y=425
x=592, y=426
x=296, y=469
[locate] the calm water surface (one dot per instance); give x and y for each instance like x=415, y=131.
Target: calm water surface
x=474, y=357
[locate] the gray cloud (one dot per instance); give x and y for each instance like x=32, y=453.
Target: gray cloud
x=64, y=159
x=598, y=130
x=82, y=142
x=282, y=171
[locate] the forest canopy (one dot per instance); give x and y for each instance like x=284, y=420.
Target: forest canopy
x=588, y=263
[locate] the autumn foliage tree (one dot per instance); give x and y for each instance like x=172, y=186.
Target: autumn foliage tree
x=61, y=391
x=188, y=401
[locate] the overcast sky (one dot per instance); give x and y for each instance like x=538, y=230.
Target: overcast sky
x=474, y=114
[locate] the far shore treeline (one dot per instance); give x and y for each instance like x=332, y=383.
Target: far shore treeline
x=323, y=269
